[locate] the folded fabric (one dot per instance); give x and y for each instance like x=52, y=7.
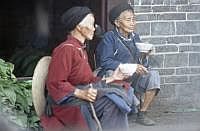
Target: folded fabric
x=119, y=102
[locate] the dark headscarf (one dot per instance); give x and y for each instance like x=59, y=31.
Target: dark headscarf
x=117, y=10
x=73, y=16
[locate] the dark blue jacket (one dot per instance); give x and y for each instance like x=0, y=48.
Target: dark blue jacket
x=112, y=51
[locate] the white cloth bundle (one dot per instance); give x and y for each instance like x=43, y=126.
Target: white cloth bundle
x=128, y=68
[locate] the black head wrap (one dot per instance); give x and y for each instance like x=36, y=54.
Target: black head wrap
x=117, y=10
x=73, y=16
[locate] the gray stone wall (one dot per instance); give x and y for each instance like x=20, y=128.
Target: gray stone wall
x=173, y=26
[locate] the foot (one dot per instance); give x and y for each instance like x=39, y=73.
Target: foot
x=132, y=117
x=144, y=120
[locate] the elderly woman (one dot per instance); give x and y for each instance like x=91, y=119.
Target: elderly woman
x=72, y=87
x=118, y=47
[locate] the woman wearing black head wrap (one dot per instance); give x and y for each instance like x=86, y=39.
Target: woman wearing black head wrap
x=70, y=77
x=117, y=10
x=118, y=47
x=72, y=17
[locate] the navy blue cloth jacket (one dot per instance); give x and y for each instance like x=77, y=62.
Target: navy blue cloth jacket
x=112, y=51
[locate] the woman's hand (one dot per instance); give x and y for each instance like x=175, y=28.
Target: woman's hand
x=141, y=70
x=117, y=75
x=89, y=94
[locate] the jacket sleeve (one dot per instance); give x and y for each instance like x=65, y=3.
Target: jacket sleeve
x=145, y=61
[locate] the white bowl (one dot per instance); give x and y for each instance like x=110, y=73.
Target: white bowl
x=144, y=47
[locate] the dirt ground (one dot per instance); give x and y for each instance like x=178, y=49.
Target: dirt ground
x=170, y=121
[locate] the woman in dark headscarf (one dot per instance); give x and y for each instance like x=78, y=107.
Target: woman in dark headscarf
x=118, y=46
x=72, y=86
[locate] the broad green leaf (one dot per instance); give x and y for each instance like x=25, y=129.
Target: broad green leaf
x=11, y=96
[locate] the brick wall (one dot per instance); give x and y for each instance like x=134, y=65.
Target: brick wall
x=173, y=26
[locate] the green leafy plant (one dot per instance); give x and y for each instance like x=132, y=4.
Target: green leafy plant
x=16, y=98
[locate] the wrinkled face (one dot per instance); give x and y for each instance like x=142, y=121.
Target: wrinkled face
x=126, y=22
x=87, y=27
